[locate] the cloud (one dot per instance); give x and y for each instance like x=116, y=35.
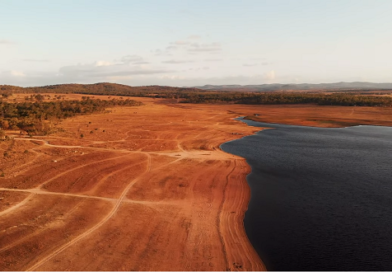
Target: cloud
x=106, y=69
x=159, y=52
x=255, y=64
x=131, y=59
x=188, y=45
x=36, y=60
x=6, y=42
x=209, y=47
x=141, y=62
x=13, y=73
x=102, y=63
x=177, y=61
x=213, y=60
x=171, y=77
x=270, y=75
x=194, y=37
x=128, y=73
x=180, y=42
x=199, y=68
x=171, y=47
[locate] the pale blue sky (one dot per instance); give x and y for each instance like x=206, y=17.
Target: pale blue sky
x=188, y=43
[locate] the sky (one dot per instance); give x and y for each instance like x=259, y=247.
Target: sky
x=194, y=42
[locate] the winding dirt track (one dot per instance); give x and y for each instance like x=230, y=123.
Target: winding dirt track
x=95, y=227
x=140, y=191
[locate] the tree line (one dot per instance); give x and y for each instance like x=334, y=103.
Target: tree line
x=38, y=117
x=344, y=99
x=99, y=89
x=194, y=95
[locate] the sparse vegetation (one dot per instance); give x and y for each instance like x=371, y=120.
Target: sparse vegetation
x=343, y=99
x=38, y=117
x=194, y=95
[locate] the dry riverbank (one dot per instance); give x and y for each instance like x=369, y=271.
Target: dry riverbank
x=145, y=188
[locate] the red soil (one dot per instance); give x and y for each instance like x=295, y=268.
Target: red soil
x=147, y=189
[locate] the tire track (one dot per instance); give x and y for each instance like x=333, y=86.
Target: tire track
x=218, y=219
x=24, y=201
x=102, y=180
x=38, y=155
x=98, y=225
x=233, y=230
x=78, y=167
x=21, y=240
x=42, y=192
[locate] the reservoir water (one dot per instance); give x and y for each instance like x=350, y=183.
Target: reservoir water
x=321, y=198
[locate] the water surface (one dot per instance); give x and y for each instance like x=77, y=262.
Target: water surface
x=321, y=197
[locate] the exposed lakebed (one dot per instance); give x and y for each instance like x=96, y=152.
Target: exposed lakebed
x=321, y=197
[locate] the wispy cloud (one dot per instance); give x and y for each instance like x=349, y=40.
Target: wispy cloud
x=140, y=62
x=209, y=47
x=199, y=68
x=177, y=61
x=213, y=60
x=102, y=63
x=180, y=42
x=36, y=60
x=6, y=42
x=172, y=47
x=194, y=37
x=106, y=69
x=127, y=73
x=189, y=45
x=13, y=73
x=131, y=59
x=255, y=64
x=270, y=76
x=160, y=53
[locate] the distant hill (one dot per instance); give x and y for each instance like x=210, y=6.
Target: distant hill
x=175, y=92
x=344, y=94
x=97, y=88
x=301, y=87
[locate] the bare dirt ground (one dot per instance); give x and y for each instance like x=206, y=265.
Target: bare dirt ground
x=145, y=188
x=318, y=116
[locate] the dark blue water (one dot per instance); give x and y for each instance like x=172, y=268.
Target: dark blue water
x=321, y=198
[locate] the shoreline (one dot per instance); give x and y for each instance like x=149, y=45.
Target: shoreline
x=243, y=119
x=264, y=245
x=309, y=126
x=246, y=173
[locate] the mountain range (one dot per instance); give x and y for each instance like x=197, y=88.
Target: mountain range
x=363, y=86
